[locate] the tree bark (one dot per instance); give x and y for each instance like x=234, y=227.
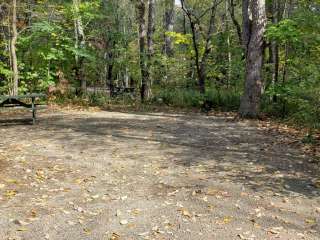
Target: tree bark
x=168, y=27
x=250, y=102
x=229, y=73
x=13, y=53
x=145, y=75
x=79, y=44
x=274, y=48
x=150, y=33
x=234, y=19
x=246, y=25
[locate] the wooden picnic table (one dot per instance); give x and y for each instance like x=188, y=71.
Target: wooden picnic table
x=17, y=101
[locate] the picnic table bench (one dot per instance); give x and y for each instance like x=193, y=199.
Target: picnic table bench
x=18, y=102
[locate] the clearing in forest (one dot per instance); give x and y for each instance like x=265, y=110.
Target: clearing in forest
x=109, y=175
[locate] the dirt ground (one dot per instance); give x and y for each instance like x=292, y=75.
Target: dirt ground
x=110, y=175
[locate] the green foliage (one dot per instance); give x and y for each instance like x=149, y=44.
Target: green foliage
x=48, y=47
x=189, y=98
x=285, y=31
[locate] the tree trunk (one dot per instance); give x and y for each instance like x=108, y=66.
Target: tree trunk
x=250, y=102
x=246, y=25
x=201, y=61
x=274, y=48
x=109, y=72
x=229, y=73
x=231, y=8
x=79, y=45
x=150, y=33
x=13, y=53
x=168, y=27
x=145, y=75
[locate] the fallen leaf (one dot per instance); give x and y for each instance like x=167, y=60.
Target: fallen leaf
x=22, y=229
x=10, y=193
x=275, y=230
x=123, y=222
x=20, y=222
x=115, y=236
x=310, y=221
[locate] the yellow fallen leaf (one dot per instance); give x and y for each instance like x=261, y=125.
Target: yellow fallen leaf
x=14, y=181
x=185, y=213
x=22, y=229
x=78, y=181
x=227, y=220
x=115, y=236
x=87, y=231
x=310, y=221
x=212, y=191
x=10, y=193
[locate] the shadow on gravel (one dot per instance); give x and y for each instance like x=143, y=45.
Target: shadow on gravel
x=15, y=122
x=227, y=150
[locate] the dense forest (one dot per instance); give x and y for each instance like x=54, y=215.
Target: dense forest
x=258, y=57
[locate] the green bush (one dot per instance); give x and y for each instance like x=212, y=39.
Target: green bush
x=189, y=98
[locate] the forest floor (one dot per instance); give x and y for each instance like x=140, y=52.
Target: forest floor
x=80, y=175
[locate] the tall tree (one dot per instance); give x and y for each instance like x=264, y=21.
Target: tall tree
x=79, y=45
x=201, y=57
x=274, y=10
x=254, y=42
x=145, y=90
x=13, y=53
x=150, y=33
x=168, y=27
x=231, y=7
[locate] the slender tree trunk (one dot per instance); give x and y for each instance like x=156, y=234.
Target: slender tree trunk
x=13, y=53
x=150, y=33
x=79, y=44
x=288, y=8
x=145, y=75
x=229, y=73
x=231, y=7
x=168, y=27
x=274, y=48
x=109, y=72
x=151, y=27
x=201, y=61
x=250, y=102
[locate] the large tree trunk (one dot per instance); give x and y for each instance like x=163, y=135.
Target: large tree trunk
x=253, y=40
x=168, y=27
x=79, y=44
x=13, y=53
x=145, y=75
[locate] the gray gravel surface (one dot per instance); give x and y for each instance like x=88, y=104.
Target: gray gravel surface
x=109, y=175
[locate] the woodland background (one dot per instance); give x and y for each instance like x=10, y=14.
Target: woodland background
x=188, y=53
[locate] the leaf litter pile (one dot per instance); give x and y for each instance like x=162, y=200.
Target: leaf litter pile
x=101, y=175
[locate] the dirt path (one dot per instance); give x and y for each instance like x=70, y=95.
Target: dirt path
x=102, y=175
